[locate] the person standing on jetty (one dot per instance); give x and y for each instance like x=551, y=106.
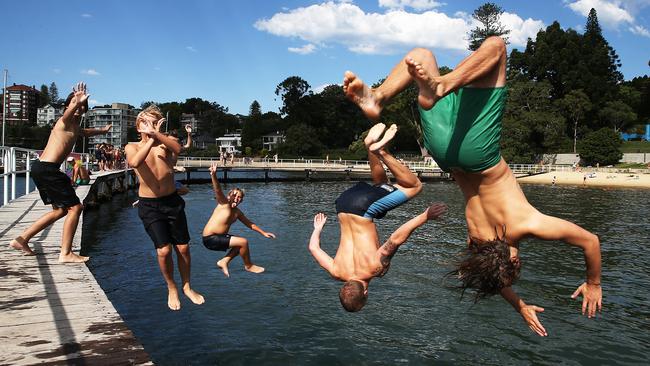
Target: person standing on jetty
x=215, y=232
x=53, y=185
x=461, y=116
x=160, y=208
x=359, y=257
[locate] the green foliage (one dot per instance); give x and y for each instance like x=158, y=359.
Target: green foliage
x=487, y=14
x=302, y=140
x=617, y=114
x=573, y=107
x=601, y=147
x=248, y=151
x=291, y=90
x=44, y=96
x=54, y=94
x=635, y=147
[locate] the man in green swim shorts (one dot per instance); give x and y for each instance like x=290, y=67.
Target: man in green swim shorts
x=461, y=116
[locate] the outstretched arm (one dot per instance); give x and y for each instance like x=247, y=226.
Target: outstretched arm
x=323, y=259
x=552, y=228
x=528, y=312
x=218, y=193
x=188, y=143
x=96, y=131
x=249, y=223
x=399, y=237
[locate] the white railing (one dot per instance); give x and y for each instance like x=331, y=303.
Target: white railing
x=15, y=160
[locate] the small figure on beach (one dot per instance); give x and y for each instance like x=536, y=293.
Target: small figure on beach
x=160, y=208
x=554, y=179
x=360, y=258
x=215, y=232
x=461, y=115
x=54, y=186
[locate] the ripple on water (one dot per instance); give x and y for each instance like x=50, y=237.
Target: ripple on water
x=291, y=313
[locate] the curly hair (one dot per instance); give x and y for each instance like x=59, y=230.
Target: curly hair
x=486, y=267
x=353, y=297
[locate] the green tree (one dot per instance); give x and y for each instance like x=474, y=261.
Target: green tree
x=44, y=96
x=54, y=94
x=301, y=140
x=488, y=15
x=574, y=106
x=617, y=114
x=601, y=147
x=291, y=90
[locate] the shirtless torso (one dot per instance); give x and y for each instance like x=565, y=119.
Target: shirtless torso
x=357, y=257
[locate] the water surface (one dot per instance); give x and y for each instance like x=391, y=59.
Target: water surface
x=291, y=313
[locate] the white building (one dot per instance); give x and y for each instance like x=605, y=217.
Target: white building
x=271, y=141
x=229, y=143
x=121, y=115
x=48, y=115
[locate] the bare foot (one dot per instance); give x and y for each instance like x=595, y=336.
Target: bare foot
x=427, y=83
x=173, y=301
x=374, y=134
x=360, y=94
x=388, y=135
x=196, y=297
x=20, y=244
x=72, y=258
x=223, y=264
x=254, y=268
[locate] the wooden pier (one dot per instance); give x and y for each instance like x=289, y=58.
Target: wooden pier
x=55, y=313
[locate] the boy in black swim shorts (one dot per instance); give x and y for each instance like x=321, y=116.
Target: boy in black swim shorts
x=215, y=233
x=359, y=257
x=53, y=185
x=160, y=208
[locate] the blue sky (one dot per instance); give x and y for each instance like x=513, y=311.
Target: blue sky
x=234, y=52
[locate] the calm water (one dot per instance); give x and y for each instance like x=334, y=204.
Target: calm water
x=291, y=313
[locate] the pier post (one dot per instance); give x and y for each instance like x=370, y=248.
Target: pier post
x=187, y=175
x=266, y=175
x=307, y=175
x=347, y=174
x=225, y=175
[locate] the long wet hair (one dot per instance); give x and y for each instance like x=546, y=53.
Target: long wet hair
x=486, y=267
x=353, y=297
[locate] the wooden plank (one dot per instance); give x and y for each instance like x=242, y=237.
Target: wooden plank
x=52, y=313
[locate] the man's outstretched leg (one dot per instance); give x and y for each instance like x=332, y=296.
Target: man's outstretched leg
x=21, y=241
x=184, y=267
x=404, y=177
x=69, y=229
x=377, y=171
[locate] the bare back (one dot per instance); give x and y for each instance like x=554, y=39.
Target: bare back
x=223, y=216
x=156, y=173
x=61, y=140
x=494, y=200
x=357, y=256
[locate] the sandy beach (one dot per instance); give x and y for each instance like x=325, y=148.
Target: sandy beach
x=594, y=179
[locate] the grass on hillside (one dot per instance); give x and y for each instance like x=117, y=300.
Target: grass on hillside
x=635, y=147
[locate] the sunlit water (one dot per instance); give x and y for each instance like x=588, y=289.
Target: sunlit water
x=291, y=313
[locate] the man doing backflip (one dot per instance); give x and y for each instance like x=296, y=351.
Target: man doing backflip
x=53, y=185
x=359, y=257
x=215, y=232
x=461, y=116
x=160, y=208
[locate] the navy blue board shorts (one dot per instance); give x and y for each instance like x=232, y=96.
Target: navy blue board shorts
x=370, y=201
x=53, y=185
x=219, y=242
x=164, y=219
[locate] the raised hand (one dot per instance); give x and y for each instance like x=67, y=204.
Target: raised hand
x=269, y=235
x=80, y=93
x=188, y=128
x=592, y=298
x=159, y=123
x=108, y=127
x=436, y=210
x=529, y=313
x=146, y=128
x=213, y=168
x=319, y=221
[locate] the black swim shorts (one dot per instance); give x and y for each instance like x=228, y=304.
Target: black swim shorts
x=164, y=219
x=217, y=242
x=53, y=185
x=372, y=202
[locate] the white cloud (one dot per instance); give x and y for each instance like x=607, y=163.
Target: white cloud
x=93, y=102
x=304, y=50
x=383, y=33
x=91, y=72
x=156, y=68
x=415, y=4
x=56, y=70
x=610, y=12
x=639, y=30
x=86, y=15
x=191, y=49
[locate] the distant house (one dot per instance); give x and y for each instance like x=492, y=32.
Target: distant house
x=21, y=104
x=271, y=141
x=121, y=115
x=229, y=143
x=48, y=115
x=202, y=142
x=190, y=119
